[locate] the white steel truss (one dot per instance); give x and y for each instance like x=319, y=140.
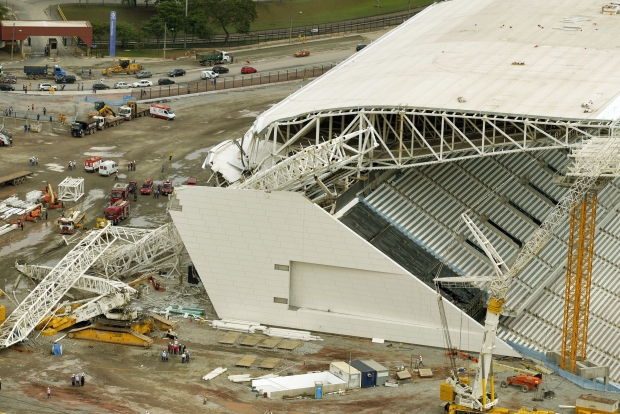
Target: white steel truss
x=410, y=137
x=71, y=189
x=92, y=284
x=41, y=301
x=313, y=163
x=139, y=249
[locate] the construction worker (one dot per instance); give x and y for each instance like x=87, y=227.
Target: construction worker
x=83, y=379
x=420, y=362
x=116, y=176
x=187, y=356
x=183, y=358
x=170, y=156
x=135, y=196
x=49, y=393
x=72, y=380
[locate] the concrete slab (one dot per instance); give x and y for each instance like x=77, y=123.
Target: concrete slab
x=425, y=372
x=269, y=363
x=230, y=338
x=252, y=339
x=290, y=344
x=246, y=361
x=403, y=375
x=270, y=342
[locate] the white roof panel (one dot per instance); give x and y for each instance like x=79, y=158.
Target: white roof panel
x=466, y=48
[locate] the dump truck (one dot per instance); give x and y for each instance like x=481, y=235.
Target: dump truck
x=167, y=188
x=15, y=178
x=72, y=221
x=132, y=110
x=120, y=191
x=215, y=59
x=118, y=211
x=38, y=72
x=80, y=128
x=124, y=66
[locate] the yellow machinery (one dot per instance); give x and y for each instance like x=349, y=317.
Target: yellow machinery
x=123, y=332
x=124, y=65
x=101, y=223
x=104, y=111
x=62, y=118
x=50, y=198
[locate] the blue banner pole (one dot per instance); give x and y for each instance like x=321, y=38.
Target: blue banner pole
x=113, y=33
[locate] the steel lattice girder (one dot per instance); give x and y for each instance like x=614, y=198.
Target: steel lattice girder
x=87, y=283
x=71, y=189
x=41, y=301
x=578, y=283
x=142, y=249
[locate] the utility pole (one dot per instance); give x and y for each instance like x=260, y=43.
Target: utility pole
x=12, y=42
x=185, y=30
x=165, y=30
x=290, y=32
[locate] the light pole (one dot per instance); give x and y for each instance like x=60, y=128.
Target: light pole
x=185, y=31
x=165, y=31
x=13, y=42
x=290, y=32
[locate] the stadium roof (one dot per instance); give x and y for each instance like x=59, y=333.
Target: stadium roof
x=472, y=49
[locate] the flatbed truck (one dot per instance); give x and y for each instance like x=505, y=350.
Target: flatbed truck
x=15, y=178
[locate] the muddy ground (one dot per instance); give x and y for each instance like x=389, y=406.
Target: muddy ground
x=124, y=379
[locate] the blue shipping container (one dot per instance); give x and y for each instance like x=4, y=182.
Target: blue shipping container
x=369, y=375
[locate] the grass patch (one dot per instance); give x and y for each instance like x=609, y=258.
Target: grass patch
x=133, y=15
x=271, y=15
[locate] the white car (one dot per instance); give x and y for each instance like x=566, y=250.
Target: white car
x=45, y=86
x=142, y=83
x=208, y=74
x=121, y=85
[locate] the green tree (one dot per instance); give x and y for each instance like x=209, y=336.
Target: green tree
x=4, y=12
x=125, y=32
x=173, y=14
x=153, y=27
x=238, y=14
x=100, y=29
x=198, y=25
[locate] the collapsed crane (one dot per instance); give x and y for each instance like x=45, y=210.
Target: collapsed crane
x=598, y=157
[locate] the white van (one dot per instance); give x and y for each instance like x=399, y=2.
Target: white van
x=208, y=74
x=160, y=111
x=108, y=168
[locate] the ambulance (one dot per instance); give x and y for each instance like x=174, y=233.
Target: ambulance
x=160, y=111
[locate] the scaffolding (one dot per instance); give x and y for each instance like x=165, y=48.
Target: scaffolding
x=71, y=189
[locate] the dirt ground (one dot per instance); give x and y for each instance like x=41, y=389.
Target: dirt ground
x=123, y=379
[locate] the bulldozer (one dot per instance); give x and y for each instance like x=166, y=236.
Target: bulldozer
x=50, y=198
x=125, y=66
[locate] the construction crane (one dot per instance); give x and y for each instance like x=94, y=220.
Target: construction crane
x=597, y=157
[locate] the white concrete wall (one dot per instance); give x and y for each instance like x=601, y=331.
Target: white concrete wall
x=235, y=237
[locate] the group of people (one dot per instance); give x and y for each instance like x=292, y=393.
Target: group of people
x=77, y=380
x=34, y=161
x=131, y=166
x=72, y=165
x=177, y=349
x=8, y=112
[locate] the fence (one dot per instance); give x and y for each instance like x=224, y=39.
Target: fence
x=18, y=120
x=230, y=82
x=119, y=102
x=582, y=382
x=309, y=31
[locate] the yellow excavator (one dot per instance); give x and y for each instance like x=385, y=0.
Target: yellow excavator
x=124, y=65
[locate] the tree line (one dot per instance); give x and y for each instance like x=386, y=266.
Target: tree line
x=202, y=17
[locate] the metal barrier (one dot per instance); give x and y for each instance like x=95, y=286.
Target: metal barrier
x=65, y=19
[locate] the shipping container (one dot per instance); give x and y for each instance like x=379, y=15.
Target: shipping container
x=346, y=373
x=383, y=374
x=368, y=377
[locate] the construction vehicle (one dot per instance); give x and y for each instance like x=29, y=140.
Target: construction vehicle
x=79, y=128
x=118, y=211
x=167, y=188
x=15, y=178
x=147, y=187
x=123, y=331
x=6, y=138
x=120, y=191
x=62, y=118
x=50, y=198
x=37, y=72
x=31, y=214
x=124, y=66
x=131, y=110
x=68, y=224
x=526, y=382
x=214, y=59
x=160, y=287
x=92, y=164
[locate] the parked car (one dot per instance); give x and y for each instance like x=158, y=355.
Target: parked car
x=122, y=85
x=220, y=69
x=100, y=86
x=165, y=81
x=144, y=74
x=248, y=69
x=9, y=79
x=142, y=84
x=360, y=47
x=208, y=74
x=176, y=72
x=44, y=86
x=147, y=187
x=302, y=53
x=6, y=87
x=65, y=79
